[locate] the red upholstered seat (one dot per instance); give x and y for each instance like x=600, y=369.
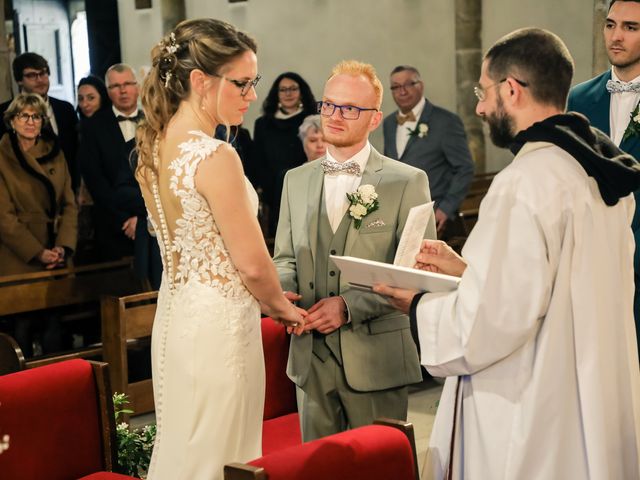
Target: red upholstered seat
x=372, y=452
x=52, y=415
x=280, y=433
x=281, y=426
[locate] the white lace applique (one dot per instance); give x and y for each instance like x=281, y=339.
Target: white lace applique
x=197, y=241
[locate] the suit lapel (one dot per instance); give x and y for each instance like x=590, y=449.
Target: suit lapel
x=424, y=118
x=371, y=176
x=314, y=192
x=601, y=107
x=392, y=149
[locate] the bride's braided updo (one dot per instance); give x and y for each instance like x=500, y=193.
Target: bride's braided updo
x=205, y=44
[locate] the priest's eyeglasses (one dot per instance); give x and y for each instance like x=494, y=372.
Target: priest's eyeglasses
x=243, y=85
x=348, y=112
x=481, y=92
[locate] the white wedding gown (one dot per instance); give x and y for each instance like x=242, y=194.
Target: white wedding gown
x=207, y=360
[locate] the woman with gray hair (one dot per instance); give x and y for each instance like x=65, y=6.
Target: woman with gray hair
x=310, y=133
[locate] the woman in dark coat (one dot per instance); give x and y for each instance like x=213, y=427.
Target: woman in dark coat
x=277, y=147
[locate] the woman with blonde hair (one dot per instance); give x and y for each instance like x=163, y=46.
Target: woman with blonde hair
x=208, y=366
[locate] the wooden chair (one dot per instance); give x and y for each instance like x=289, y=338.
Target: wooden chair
x=385, y=450
x=60, y=422
x=11, y=357
x=73, y=286
x=126, y=323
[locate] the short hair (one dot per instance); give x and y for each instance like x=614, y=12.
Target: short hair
x=312, y=121
x=405, y=68
x=614, y=1
x=270, y=104
x=535, y=56
x=356, y=68
x=120, y=68
x=22, y=101
x=28, y=60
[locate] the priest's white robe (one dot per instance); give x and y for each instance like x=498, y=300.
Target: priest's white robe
x=540, y=331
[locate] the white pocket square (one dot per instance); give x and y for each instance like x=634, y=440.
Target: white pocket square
x=376, y=223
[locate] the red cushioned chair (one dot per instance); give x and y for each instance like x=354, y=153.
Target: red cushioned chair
x=281, y=424
x=383, y=451
x=60, y=421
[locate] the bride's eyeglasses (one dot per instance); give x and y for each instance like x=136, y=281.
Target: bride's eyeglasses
x=243, y=85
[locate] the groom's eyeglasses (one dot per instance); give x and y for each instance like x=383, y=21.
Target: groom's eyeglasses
x=348, y=112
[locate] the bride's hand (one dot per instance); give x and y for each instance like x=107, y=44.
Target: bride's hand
x=294, y=320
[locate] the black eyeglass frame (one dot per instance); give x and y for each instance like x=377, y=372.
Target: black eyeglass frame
x=405, y=86
x=342, y=108
x=244, y=86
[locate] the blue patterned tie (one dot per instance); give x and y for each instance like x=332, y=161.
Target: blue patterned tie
x=616, y=86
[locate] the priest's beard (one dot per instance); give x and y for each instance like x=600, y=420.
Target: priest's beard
x=500, y=126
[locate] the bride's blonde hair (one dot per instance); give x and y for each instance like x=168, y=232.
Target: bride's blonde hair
x=205, y=44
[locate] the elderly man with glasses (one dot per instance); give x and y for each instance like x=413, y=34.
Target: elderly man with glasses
x=106, y=153
x=429, y=138
x=358, y=357
x=31, y=71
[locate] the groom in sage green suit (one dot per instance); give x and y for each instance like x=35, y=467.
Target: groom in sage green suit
x=357, y=356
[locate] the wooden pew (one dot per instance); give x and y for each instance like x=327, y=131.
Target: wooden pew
x=127, y=322
x=81, y=286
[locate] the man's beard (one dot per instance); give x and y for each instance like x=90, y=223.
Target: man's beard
x=500, y=127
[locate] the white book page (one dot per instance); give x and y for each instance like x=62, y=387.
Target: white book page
x=413, y=234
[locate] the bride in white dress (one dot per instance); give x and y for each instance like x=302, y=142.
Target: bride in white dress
x=208, y=366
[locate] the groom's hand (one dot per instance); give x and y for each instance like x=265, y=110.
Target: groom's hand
x=327, y=315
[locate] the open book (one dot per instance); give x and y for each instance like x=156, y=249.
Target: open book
x=363, y=274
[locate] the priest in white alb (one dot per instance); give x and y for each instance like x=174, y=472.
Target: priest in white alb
x=538, y=342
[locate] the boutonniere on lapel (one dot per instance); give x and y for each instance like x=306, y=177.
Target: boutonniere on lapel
x=420, y=131
x=363, y=201
x=633, y=129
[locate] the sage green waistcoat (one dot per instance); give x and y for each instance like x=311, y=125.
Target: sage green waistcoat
x=327, y=279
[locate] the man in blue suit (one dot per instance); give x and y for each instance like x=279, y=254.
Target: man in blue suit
x=430, y=138
x=610, y=100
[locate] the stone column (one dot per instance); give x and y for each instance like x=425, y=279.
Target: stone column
x=5, y=64
x=173, y=12
x=600, y=60
x=468, y=61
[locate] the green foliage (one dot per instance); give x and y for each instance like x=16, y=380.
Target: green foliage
x=134, y=445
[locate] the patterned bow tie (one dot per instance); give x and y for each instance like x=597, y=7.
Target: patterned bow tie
x=134, y=118
x=336, y=168
x=616, y=86
x=409, y=117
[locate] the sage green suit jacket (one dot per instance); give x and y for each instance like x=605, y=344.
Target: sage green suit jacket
x=377, y=349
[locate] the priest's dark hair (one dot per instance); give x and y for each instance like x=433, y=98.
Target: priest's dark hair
x=536, y=58
x=307, y=99
x=614, y=1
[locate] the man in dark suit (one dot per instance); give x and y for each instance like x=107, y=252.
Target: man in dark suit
x=107, y=163
x=31, y=72
x=430, y=138
x=610, y=100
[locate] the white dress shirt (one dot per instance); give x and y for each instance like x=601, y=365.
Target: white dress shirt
x=127, y=128
x=622, y=104
x=52, y=117
x=336, y=187
x=402, y=132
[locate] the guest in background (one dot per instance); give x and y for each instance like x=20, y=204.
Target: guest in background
x=31, y=72
x=107, y=142
x=38, y=214
x=275, y=135
x=310, y=133
x=92, y=97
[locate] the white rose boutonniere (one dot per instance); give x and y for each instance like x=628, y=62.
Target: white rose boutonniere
x=363, y=201
x=634, y=124
x=420, y=131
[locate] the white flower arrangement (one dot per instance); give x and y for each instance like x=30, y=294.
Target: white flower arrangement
x=420, y=131
x=363, y=201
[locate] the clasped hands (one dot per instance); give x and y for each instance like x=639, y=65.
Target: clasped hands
x=52, y=257
x=325, y=316
x=434, y=256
